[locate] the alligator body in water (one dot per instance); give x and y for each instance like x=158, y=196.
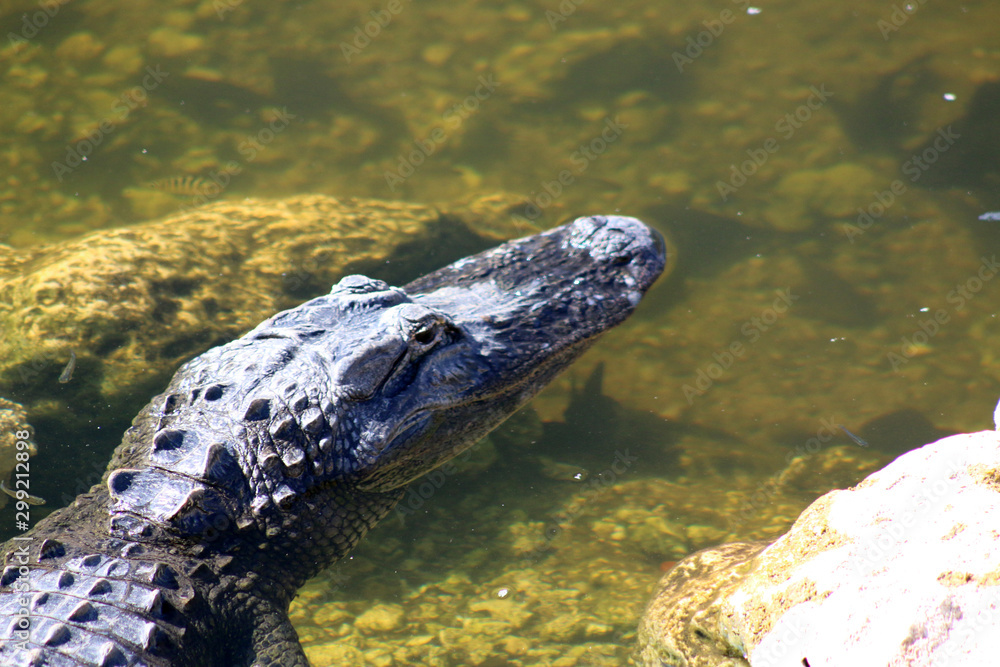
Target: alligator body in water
x=267, y=459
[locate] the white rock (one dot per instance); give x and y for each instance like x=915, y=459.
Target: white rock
x=903, y=569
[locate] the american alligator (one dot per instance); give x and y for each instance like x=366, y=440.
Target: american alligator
x=267, y=459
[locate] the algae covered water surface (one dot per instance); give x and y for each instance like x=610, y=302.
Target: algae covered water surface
x=821, y=169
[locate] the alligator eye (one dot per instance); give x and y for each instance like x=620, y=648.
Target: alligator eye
x=423, y=328
x=426, y=334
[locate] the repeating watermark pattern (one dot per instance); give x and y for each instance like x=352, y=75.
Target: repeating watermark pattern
x=249, y=148
x=696, y=44
x=621, y=465
x=125, y=104
x=452, y=120
x=422, y=490
x=363, y=35
x=565, y=9
x=898, y=18
x=752, y=330
x=581, y=159
x=913, y=168
x=893, y=532
x=786, y=126
x=765, y=492
x=867, y=215
x=32, y=24
x=912, y=345
x=983, y=621
x=778, y=648
x=41, y=363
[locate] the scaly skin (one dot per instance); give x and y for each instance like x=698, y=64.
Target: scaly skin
x=267, y=459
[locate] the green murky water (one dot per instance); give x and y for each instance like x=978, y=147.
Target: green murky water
x=821, y=168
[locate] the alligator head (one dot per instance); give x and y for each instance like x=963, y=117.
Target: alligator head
x=371, y=386
x=506, y=322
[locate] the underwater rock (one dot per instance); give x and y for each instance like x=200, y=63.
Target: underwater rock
x=680, y=624
x=380, y=618
x=136, y=301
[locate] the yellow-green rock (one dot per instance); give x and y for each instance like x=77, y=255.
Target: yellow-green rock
x=380, y=618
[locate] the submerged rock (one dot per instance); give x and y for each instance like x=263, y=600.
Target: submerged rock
x=380, y=618
x=900, y=569
x=134, y=302
x=680, y=625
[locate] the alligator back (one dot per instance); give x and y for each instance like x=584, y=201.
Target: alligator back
x=92, y=610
